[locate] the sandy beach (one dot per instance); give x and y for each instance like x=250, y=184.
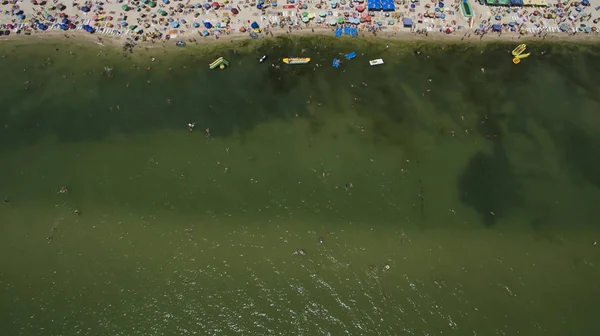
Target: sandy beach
x=178, y=21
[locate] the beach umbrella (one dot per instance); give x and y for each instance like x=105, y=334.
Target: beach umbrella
x=64, y=20
x=340, y=20
x=254, y=25
x=207, y=25
x=85, y=9
x=322, y=14
x=166, y=2
x=305, y=19
x=124, y=23
x=304, y=14
x=207, y=6
x=332, y=22
x=360, y=8
x=21, y=17
x=64, y=26
x=205, y=33
x=259, y=6
x=243, y=29
x=152, y=4
x=175, y=24
x=125, y=7
x=234, y=11
x=215, y=5
x=196, y=25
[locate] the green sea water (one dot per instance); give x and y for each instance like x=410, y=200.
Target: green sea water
x=473, y=179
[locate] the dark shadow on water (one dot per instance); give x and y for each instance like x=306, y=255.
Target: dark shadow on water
x=489, y=185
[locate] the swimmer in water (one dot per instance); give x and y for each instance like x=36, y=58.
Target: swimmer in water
x=62, y=190
x=364, y=84
x=191, y=126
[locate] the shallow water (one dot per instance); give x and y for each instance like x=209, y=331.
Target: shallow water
x=477, y=188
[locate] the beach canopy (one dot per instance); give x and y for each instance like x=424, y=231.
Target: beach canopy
x=407, y=22
x=254, y=25
x=516, y=2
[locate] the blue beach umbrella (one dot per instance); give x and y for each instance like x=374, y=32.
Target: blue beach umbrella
x=64, y=20
x=64, y=27
x=85, y=9
x=254, y=25
x=21, y=17
x=207, y=6
x=196, y=25
x=183, y=21
x=166, y=2
x=207, y=25
x=175, y=24
x=205, y=33
x=124, y=23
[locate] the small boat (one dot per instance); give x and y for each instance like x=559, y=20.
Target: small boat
x=466, y=9
x=296, y=60
x=376, y=61
x=350, y=55
x=262, y=59
x=336, y=62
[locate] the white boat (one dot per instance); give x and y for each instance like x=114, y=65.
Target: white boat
x=376, y=61
x=262, y=59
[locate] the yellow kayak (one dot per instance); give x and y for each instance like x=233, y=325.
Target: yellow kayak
x=522, y=55
x=519, y=49
x=296, y=60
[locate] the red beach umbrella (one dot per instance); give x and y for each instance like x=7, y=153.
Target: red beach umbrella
x=234, y=11
x=215, y=4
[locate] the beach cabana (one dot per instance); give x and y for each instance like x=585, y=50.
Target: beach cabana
x=407, y=22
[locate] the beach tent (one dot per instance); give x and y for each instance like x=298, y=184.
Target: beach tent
x=407, y=22
x=254, y=25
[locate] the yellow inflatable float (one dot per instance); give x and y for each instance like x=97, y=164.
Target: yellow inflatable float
x=518, y=53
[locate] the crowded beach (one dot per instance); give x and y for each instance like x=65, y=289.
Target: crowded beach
x=181, y=21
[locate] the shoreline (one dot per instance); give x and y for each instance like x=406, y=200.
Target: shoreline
x=435, y=37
